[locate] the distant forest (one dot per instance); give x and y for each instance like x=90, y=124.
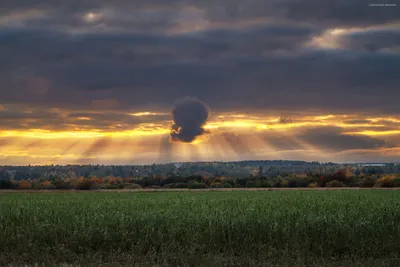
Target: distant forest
x=239, y=169
x=197, y=175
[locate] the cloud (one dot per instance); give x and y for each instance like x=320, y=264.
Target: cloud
x=334, y=140
x=338, y=13
x=284, y=120
x=17, y=118
x=358, y=121
x=248, y=55
x=380, y=38
x=189, y=115
x=156, y=15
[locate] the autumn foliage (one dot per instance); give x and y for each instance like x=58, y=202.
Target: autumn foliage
x=338, y=178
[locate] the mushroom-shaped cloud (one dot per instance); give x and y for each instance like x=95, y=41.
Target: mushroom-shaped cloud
x=189, y=114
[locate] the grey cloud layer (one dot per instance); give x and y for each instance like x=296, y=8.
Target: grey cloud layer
x=244, y=55
x=54, y=120
x=161, y=14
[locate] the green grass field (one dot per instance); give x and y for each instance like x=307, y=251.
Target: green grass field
x=265, y=228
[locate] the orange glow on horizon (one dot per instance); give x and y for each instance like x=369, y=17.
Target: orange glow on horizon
x=248, y=136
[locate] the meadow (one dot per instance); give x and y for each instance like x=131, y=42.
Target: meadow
x=237, y=228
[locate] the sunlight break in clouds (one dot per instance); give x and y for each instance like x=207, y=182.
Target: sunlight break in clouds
x=256, y=137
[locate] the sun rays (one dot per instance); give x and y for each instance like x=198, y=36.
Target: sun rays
x=227, y=137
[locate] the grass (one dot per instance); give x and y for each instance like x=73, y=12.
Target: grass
x=280, y=228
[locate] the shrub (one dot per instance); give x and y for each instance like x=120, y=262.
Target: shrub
x=303, y=182
x=84, y=184
x=284, y=183
x=292, y=182
x=216, y=185
x=36, y=186
x=226, y=185
x=265, y=184
x=113, y=186
x=132, y=186
x=334, y=183
x=172, y=185
x=47, y=185
x=24, y=185
x=6, y=184
x=197, y=185
x=181, y=185
x=386, y=181
x=251, y=184
x=368, y=182
x=313, y=185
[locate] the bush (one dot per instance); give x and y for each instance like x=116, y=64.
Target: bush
x=292, y=182
x=284, y=183
x=334, y=183
x=226, y=185
x=61, y=184
x=172, y=185
x=368, y=182
x=85, y=185
x=6, y=184
x=24, y=185
x=386, y=181
x=397, y=182
x=113, y=186
x=48, y=186
x=197, y=185
x=216, y=185
x=132, y=186
x=313, y=185
x=36, y=186
x=303, y=182
x=181, y=185
x=251, y=184
x=265, y=184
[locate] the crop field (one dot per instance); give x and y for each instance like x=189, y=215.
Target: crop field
x=237, y=228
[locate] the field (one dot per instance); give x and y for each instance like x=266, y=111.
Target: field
x=238, y=228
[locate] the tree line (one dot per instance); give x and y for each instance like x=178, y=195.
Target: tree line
x=339, y=178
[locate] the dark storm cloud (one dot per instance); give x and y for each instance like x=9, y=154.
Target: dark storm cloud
x=189, y=115
x=244, y=55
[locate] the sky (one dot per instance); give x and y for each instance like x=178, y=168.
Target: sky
x=153, y=81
